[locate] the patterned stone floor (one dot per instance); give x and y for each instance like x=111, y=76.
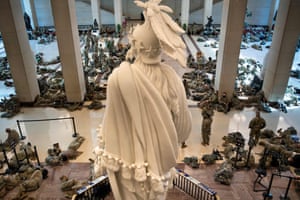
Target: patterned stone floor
x=241, y=187
x=242, y=184
x=50, y=187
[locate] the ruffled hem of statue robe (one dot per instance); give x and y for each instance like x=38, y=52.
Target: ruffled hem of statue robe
x=138, y=178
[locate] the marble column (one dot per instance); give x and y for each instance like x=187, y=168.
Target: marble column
x=35, y=22
x=118, y=13
x=65, y=21
x=185, y=12
x=20, y=57
x=208, y=6
x=95, y=4
x=232, y=25
x=281, y=54
x=273, y=9
x=29, y=8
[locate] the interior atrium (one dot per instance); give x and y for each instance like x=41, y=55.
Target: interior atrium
x=242, y=57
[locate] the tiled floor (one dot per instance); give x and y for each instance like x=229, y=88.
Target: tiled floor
x=242, y=184
x=50, y=187
x=44, y=134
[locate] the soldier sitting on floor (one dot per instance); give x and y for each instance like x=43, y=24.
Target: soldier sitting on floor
x=211, y=158
x=12, y=139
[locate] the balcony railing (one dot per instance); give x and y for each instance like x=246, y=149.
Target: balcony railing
x=97, y=189
x=193, y=187
x=100, y=188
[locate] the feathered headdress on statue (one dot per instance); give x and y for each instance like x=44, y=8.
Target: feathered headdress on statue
x=164, y=29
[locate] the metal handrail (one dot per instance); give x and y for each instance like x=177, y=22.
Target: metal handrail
x=193, y=187
x=96, y=190
x=100, y=188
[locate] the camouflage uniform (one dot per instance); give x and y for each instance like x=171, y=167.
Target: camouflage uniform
x=206, y=129
x=256, y=124
x=207, y=113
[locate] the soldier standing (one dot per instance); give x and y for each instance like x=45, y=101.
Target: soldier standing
x=256, y=124
x=207, y=114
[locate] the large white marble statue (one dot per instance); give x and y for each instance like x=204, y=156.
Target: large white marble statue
x=146, y=116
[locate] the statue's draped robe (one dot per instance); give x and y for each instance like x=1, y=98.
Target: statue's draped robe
x=141, y=133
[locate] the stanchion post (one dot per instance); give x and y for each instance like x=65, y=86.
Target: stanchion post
x=36, y=155
x=240, y=143
x=16, y=155
x=248, y=157
x=267, y=195
x=251, y=144
x=285, y=197
x=75, y=134
x=5, y=157
x=26, y=154
x=237, y=155
x=22, y=137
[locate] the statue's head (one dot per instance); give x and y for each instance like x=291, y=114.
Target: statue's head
x=145, y=43
x=158, y=33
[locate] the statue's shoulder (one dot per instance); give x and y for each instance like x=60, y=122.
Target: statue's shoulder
x=124, y=66
x=121, y=75
x=125, y=70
